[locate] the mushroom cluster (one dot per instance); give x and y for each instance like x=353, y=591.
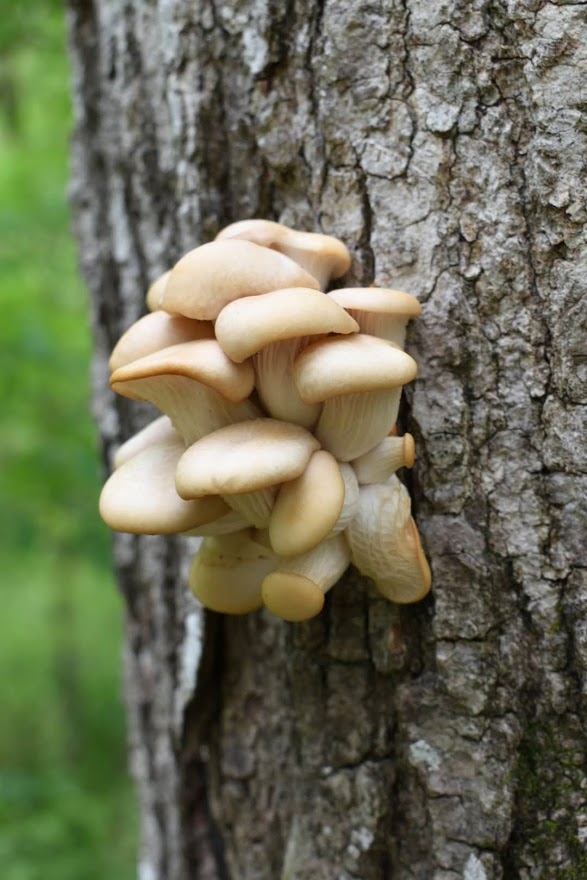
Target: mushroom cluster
x=278, y=444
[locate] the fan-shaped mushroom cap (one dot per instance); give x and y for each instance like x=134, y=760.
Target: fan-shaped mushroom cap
x=140, y=497
x=194, y=383
x=202, y=360
x=360, y=379
x=307, y=508
x=349, y=365
x=244, y=463
x=385, y=544
x=227, y=572
x=295, y=590
x=244, y=457
x=379, y=311
x=206, y=279
x=377, y=465
x=156, y=290
x=247, y=325
x=157, y=431
x=323, y=256
x=154, y=332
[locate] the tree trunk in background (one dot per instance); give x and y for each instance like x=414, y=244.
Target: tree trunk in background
x=444, y=143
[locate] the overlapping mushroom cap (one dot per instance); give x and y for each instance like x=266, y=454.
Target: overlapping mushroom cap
x=277, y=444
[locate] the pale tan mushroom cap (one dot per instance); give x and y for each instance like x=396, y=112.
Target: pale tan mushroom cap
x=292, y=597
x=380, y=300
x=297, y=245
x=202, y=360
x=206, y=279
x=160, y=430
x=247, y=325
x=307, y=508
x=351, y=364
x=155, y=291
x=244, y=457
x=154, y=332
x=140, y=496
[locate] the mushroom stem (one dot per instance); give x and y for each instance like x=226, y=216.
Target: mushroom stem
x=278, y=393
x=227, y=572
x=295, y=590
x=352, y=424
x=385, y=544
x=224, y=525
x=377, y=465
x=389, y=327
x=254, y=507
x=351, y=499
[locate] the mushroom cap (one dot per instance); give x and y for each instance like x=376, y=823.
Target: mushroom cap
x=227, y=572
x=291, y=596
x=155, y=331
x=380, y=462
x=209, y=277
x=295, y=244
x=140, y=496
x=202, y=360
x=308, y=507
x=244, y=457
x=351, y=364
x=382, y=300
x=157, y=431
x=247, y=325
x=155, y=291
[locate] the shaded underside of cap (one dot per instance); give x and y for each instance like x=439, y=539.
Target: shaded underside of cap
x=202, y=360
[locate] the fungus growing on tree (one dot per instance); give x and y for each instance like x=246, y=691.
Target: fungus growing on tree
x=278, y=444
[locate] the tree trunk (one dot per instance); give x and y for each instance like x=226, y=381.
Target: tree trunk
x=443, y=142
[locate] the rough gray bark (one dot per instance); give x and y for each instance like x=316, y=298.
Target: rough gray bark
x=445, y=143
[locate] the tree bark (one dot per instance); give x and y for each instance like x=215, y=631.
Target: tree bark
x=445, y=144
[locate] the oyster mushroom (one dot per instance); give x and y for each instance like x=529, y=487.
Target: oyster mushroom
x=307, y=508
x=360, y=380
x=379, y=311
x=227, y=572
x=377, y=465
x=244, y=463
x=295, y=590
x=274, y=327
x=194, y=383
x=154, y=332
x=140, y=496
x=385, y=544
x=323, y=256
x=206, y=279
x=156, y=431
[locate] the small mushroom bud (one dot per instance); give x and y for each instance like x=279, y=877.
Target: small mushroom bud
x=377, y=465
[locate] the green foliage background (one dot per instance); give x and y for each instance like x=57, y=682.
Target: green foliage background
x=67, y=808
